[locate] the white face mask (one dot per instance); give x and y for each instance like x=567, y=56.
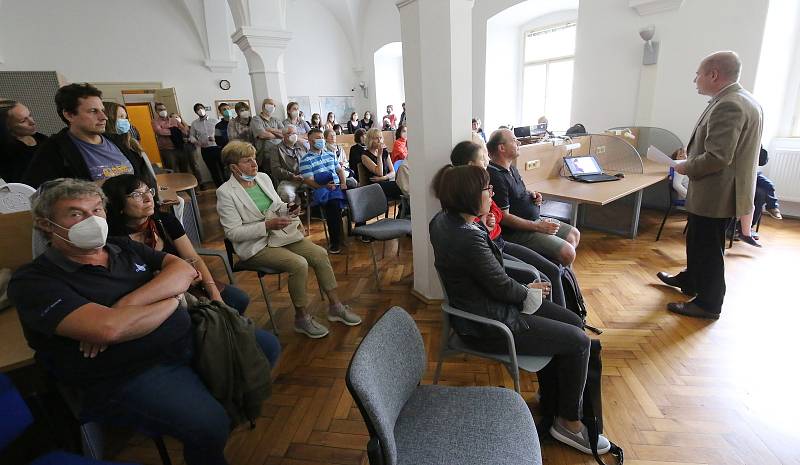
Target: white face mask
x=294, y=114
x=201, y=112
x=88, y=234
x=162, y=113
x=268, y=109
x=244, y=114
x=293, y=139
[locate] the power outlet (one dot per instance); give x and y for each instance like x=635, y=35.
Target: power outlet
x=532, y=164
x=601, y=149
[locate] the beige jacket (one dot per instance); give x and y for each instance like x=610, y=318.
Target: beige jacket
x=244, y=224
x=722, y=156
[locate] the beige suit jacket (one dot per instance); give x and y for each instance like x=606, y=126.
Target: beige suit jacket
x=243, y=223
x=722, y=156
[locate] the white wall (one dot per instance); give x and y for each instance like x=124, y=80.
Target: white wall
x=381, y=25
x=609, y=52
x=318, y=60
x=151, y=41
x=157, y=41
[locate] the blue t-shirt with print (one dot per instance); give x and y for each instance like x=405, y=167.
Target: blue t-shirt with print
x=104, y=160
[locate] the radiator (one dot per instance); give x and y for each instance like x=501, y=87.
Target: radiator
x=784, y=170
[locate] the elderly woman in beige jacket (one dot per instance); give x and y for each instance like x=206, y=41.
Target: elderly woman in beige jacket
x=265, y=231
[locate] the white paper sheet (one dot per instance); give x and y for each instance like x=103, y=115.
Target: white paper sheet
x=653, y=154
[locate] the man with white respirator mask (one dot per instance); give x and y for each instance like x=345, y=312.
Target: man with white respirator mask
x=104, y=317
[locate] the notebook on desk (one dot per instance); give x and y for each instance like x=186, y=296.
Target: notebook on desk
x=586, y=169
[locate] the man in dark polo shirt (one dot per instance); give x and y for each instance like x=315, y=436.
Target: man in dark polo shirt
x=101, y=320
x=83, y=149
x=521, y=222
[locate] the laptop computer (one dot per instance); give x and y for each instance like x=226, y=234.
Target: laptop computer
x=521, y=132
x=539, y=130
x=586, y=169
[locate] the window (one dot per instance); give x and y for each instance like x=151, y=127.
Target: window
x=547, y=75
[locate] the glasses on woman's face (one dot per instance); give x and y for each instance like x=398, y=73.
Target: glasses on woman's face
x=489, y=188
x=139, y=195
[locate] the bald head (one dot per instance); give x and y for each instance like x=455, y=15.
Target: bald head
x=727, y=64
x=716, y=72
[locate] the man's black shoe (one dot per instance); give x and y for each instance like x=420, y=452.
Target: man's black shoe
x=674, y=282
x=691, y=309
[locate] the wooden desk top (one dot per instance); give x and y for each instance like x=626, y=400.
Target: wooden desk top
x=176, y=181
x=599, y=193
x=14, y=350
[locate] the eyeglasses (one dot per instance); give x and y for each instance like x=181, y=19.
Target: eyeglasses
x=489, y=188
x=139, y=196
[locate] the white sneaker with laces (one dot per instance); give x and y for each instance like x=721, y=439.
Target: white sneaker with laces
x=344, y=314
x=308, y=325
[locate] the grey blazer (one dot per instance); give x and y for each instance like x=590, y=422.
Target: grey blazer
x=722, y=156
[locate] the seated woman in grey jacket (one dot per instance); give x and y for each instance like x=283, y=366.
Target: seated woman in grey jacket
x=470, y=153
x=265, y=231
x=471, y=268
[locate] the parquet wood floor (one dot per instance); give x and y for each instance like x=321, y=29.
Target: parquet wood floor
x=676, y=390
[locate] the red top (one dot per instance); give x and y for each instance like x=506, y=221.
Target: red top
x=498, y=215
x=399, y=150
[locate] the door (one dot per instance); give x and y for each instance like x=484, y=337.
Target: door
x=168, y=97
x=141, y=116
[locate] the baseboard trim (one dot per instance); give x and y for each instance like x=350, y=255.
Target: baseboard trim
x=425, y=299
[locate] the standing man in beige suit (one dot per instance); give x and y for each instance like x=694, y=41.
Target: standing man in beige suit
x=720, y=161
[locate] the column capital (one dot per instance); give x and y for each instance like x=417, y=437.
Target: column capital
x=249, y=37
x=404, y=3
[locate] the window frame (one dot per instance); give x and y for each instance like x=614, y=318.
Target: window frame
x=547, y=61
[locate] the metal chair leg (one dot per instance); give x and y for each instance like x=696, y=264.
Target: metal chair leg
x=269, y=305
x=375, y=265
x=162, y=450
x=669, y=210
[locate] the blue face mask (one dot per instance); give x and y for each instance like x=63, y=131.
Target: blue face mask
x=123, y=126
x=230, y=113
x=319, y=144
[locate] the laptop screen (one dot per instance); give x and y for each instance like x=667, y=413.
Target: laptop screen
x=579, y=166
x=522, y=131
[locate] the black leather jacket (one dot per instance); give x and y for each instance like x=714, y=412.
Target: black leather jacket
x=471, y=268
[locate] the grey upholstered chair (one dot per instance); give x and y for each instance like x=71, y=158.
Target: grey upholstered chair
x=417, y=424
x=452, y=344
x=369, y=202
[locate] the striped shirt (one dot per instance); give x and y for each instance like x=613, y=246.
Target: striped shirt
x=314, y=163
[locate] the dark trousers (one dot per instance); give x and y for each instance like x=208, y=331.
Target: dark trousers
x=212, y=156
x=171, y=399
x=543, y=265
x=765, y=196
x=555, y=331
x=705, y=265
x=333, y=218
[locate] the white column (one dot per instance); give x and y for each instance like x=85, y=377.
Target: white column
x=437, y=70
x=264, y=49
x=262, y=36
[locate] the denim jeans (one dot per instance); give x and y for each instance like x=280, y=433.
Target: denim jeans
x=171, y=399
x=235, y=297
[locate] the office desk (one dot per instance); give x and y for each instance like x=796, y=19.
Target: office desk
x=14, y=350
x=601, y=193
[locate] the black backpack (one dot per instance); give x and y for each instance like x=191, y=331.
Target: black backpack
x=576, y=130
x=592, y=400
x=573, y=299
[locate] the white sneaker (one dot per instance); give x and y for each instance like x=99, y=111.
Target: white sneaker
x=309, y=326
x=344, y=315
x=580, y=440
